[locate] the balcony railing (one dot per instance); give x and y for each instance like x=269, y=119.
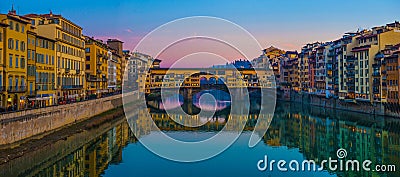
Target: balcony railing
x=71, y=87
x=2, y=89
x=16, y=89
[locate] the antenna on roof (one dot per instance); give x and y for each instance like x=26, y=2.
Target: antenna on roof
x=12, y=11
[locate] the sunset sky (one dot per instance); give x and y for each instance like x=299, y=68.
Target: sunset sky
x=284, y=24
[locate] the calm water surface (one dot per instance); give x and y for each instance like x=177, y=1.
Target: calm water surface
x=297, y=132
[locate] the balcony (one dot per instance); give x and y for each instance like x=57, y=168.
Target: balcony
x=67, y=70
x=16, y=89
x=98, y=71
x=71, y=87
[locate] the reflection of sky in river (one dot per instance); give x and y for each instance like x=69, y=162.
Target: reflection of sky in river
x=171, y=102
x=222, y=100
x=237, y=161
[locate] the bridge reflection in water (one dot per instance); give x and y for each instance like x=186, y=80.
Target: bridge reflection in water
x=313, y=132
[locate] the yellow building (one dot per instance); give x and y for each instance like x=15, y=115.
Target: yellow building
x=3, y=27
x=45, y=71
x=96, y=67
x=69, y=57
x=31, y=66
x=14, y=60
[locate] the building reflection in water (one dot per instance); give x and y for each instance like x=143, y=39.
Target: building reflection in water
x=316, y=132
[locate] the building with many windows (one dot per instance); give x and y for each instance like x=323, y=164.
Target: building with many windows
x=70, y=55
x=14, y=72
x=96, y=67
x=118, y=55
x=45, y=74
x=3, y=27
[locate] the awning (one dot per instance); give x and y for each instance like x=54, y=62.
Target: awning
x=39, y=98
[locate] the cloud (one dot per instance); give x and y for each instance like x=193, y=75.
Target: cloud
x=128, y=30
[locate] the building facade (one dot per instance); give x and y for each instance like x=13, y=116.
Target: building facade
x=69, y=57
x=14, y=53
x=96, y=67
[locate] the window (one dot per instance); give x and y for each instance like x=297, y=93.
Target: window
x=16, y=83
x=29, y=54
x=30, y=88
x=47, y=59
x=87, y=50
x=52, y=60
x=87, y=58
x=1, y=37
x=10, y=81
x=11, y=25
x=1, y=80
x=33, y=22
x=33, y=55
x=10, y=61
x=16, y=44
x=16, y=61
x=87, y=66
x=17, y=27
x=22, y=63
x=10, y=43
x=23, y=29
x=22, y=46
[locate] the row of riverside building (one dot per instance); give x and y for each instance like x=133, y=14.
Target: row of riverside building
x=360, y=66
x=45, y=60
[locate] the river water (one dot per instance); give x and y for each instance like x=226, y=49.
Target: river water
x=297, y=132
